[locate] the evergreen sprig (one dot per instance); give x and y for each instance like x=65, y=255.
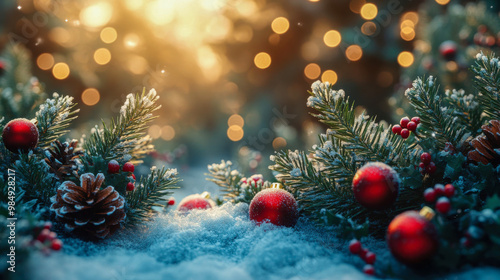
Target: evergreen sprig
x=226, y=178
x=53, y=118
x=150, y=191
x=487, y=82
x=439, y=121
x=125, y=135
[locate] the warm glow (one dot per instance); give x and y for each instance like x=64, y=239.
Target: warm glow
x=309, y=51
x=355, y=5
x=369, y=28
x=332, y=38
x=108, y=35
x=442, y=2
x=102, y=56
x=407, y=23
x=90, y=97
x=405, y=59
x=236, y=120
x=235, y=133
x=45, y=61
x=279, y=143
x=262, y=60
x=408, y=33
x=413, y=16
x=96, y=15
x=369, y=11
x=63, y=37
x=131, y=40
x=167, y=133
x=312, y=71
x=354, y=53
x=137, y=64
x=154, y=131
x=452, y=66
x=280, y=25
x=60, y=71
x=329, y=76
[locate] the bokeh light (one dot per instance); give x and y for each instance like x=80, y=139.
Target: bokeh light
x=407, y=33
x=312, y=71
x=279, y=143
x=236, y=120
x=262, y=60
x=332, y=38
x=355, y=5
x=154, y=131
x=167, y=133
x=102, y=56
x=61, y=71
x=45, y=61
x=96, y=15
x=90, y=97
x=369, y=11
x=109, y=35
x=235, y=133
x=369, y=28
x=442, y=2
x=405, y=59
x=280, y=25
x=329, y=76
x=354, y=53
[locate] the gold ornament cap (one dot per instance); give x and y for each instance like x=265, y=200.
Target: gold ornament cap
x=427, y=213
x=205, y=195
x=277, y=186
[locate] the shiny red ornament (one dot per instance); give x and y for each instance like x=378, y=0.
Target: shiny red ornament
x=412, y=238
x=376, y=186
x=196, y=201
x=275, y=205
x=448, y=49
x=20, y=134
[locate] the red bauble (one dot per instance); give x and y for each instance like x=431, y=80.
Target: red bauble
x=2, y=68
x=20, y=134
x=412, y=238
x=196, y=201
x=376, y=186
x=113, y=167
x=128, y=167
x=448, y=50
x=276, y=206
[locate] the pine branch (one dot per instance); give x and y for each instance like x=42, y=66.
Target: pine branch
x=226, y=178
x=487, y=82
x=437, y=121
x=150, y=191
x=466, y=109
x=361, y=135
x=126, y=134
x=54, y=117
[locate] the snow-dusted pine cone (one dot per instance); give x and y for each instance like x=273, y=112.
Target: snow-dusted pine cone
x=61, y=158
x=88, y=208
x=486, y=147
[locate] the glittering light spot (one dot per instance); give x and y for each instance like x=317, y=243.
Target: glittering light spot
x=405, y=59
x=235, y=133
x=407, y=23
x=102, y=56
x=408, y=33
x=413, y=16
x=313, y=1
x=262, y=60
x=19, y=7
x=312, y=71
x=400, y=111
x=279, y=143
x=355, y=5
x=329, y=76
x=131, y=40
x=354, y=52
x=137, y=64
x=45, y=61
x=90, y=96
x=369, y=28
x=236, y=120
x=280, y=25
x=167, y=133
x=154, y=131
x=452, y=66
x=96, y=15
x=442, y=2
x=369, y=11
x=108, y=35
x=60, y=71
x=332, y=38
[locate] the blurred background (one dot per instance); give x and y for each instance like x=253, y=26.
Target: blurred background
x=233, y=75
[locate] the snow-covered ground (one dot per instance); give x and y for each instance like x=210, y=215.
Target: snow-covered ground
x=220, y=243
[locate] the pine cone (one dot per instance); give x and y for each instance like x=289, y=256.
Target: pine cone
x=89, y=209
x=486, y=147
x=61, y=158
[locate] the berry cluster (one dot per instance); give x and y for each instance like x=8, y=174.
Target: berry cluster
x=427, y=166
x=443, y=204
x=171, y=202
x=405, y=126
x=367, y=256
x=45, y=239
x=114, y=168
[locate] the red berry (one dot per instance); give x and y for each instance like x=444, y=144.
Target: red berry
x=415, y=120
x=56, y=245
x=430, y=195
x=404, y=122
x=370, y=258
x=20, y=135
x=44, y=235
x=421, y=165
x=431, y=168
x=405, y=133
x=171, y=202
x=362, y=253
x=47, y=225
x=355, y=246
x=132, y=176
x=449, y=190
x=439, y=188
x=130, y=187
x=113, y=166
x=412, y=126
x=443, y=205
x=128, y=167
x=396, y=129
x=369, y=269
x=52, y=236
x=425, y=158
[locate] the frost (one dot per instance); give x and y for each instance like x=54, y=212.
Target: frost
x=296, y=172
